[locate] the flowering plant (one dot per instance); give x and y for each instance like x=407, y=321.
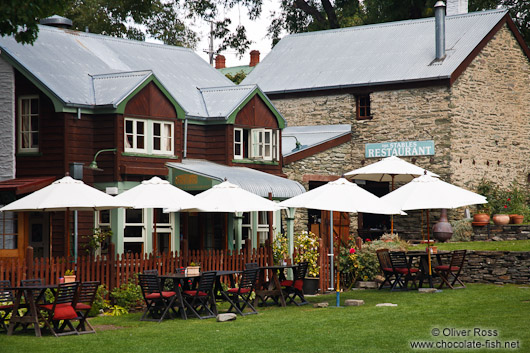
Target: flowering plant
x=306, y=249
x=279, y=248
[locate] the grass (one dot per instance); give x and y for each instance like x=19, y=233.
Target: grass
x=306, y=329
x=508, y=245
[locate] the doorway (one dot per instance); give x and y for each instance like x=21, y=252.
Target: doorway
x=39, y=233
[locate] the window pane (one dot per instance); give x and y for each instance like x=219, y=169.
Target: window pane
x=34, y=123
x=129, y=126
x=237, y=150
x=133, y=216
x=156, y=143
x=129, y=141
x=156, y=129
x=25, y=140
x=140, y=127
x=104, y=217
x=132, y=248
x=34, y=106
x=133, y=231
x=35, y=139
x=237, y=135
x=140, y=142
x=161, y=217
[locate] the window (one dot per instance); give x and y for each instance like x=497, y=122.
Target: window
x=263, y=143
x=135, y=135
x=163, y=138
x=133, y=234
x=103, y=223
x=147, y=136
x=28, y=124
x=263, y=226
x=363, y=108
x=8, y=230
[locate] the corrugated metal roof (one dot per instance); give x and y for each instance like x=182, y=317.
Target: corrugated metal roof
x=252, y=180
x=222, y=101
x=85, y=69
x=310, y=136
x=368, y=55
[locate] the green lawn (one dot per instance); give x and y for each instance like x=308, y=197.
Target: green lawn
x=501, y=309
x=509, y=245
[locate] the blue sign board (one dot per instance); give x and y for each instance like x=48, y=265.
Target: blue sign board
x=403, y=148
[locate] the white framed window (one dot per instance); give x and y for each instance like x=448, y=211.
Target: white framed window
x=263, y=144
x=8, y=230
x=162, y=137
x=103, y=223
x=135, y=135
x=28, y=124
x=134, y=231
x=238, y=143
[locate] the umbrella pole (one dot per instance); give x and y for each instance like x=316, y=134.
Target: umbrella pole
x=332, y=246
x=75, y=237
x=392, y=216
x=429, y=245
x=154, y=232
x=50, y=236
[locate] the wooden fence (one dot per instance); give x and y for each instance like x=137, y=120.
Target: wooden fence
x=114, y=270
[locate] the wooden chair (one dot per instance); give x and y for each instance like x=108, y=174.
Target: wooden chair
x=61, y=309
x=6, y=302
x=294, y=288
x=386, y=267
x=151, y=272
x=37, y=293
x=239, y=298
x=202, y=299
x=83, y=305
x=402, y=270
x=453, y=269
x=251, y=265
x=158, y=302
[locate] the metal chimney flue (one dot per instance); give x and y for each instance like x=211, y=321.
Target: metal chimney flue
x=439, y=19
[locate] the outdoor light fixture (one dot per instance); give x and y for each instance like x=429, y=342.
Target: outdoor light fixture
x=93, y=165
x=298, y=144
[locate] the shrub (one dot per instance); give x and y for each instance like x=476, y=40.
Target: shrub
x=100, y=303
x=279, y=248
x=306, y=249
x=462, y=230
x=128, y=295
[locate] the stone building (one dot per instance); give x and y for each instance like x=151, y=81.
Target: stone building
x=459, y=83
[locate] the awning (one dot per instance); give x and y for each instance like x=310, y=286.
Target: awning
x=25, y=185
x=252, y=180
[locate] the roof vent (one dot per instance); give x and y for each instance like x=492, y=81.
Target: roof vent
x=56, y=21
x=439, y=20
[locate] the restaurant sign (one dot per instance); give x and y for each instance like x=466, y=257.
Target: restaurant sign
x=403, y=148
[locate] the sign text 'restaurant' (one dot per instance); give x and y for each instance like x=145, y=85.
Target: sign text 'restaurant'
x=404, y=148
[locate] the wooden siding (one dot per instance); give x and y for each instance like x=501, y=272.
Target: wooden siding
x=209, y=142
x=150, y=102
x=256, y=114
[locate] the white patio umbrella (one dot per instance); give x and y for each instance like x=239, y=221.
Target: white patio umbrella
x=342, y=196
x=228, y=197
x=66, y=194
x=158, y=193
x=427, y=192
x=389, y=169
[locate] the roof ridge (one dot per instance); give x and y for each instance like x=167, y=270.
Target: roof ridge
x=135, y=73
x=394, y=23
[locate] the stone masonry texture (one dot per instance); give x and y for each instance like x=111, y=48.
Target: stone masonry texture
x=480, y=125
x=7, y=123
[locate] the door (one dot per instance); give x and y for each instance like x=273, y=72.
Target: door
x=39, y=233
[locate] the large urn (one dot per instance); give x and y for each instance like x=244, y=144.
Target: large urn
x=442, y=230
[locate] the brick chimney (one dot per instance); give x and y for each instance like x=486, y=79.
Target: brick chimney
x=220, y=62
x=254, y=58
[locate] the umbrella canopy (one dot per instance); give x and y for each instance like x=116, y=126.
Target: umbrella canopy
x=389, y=169
x=342, y=196
x=427, y=192
x=228, y=197
x=66, y=194
x=158, y=193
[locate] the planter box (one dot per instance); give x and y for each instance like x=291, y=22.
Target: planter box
x=68, y=279
x=193, y=270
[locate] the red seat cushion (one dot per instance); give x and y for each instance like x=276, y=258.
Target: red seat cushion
x=82, y=306
x=3, y=307
x=446, y=268
x=62, y=311
x=194, y=292
x=286, y=283
x=404, y=270
x=157, y=295
x=236, y=290
x=388, y=269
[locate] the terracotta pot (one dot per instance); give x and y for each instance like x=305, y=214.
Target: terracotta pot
x=501, y=219
x=481, y=219
x=516, y=219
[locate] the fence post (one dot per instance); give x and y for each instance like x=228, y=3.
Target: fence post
x=112, y=266
x=29, y=262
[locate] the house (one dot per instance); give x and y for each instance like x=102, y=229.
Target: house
x=141, y=110
x=456, y=86
x=220, y=64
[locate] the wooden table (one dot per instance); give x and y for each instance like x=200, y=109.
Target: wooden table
x=272, y=289
x=32, y=315
x=424, y=264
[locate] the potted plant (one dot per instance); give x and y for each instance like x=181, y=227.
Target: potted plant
x=517, y=203
x=194, y=269
x=482, y=216
x=97, y=240
x=306, y=246
x=69, y=276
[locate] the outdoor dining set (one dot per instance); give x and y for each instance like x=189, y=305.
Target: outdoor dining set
x=173, y=295
x=401, y=268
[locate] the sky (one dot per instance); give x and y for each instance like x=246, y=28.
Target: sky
x=256, y=31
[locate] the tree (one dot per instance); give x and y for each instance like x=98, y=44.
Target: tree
x=20, y=18
x=519, y=11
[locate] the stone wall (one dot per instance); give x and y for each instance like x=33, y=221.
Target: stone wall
x=7, y=122
x=497, y=267
x=507, y=232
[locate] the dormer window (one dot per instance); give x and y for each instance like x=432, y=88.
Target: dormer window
x=257, y=144
x=363, y=107
x=28, y=124
x=149, y=136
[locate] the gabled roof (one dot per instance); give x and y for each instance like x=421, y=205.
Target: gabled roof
x=387, y=53
x=90, y=71
x=252, y=180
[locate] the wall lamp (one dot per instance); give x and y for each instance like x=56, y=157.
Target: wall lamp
x=298, y=144
x=93, y=165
